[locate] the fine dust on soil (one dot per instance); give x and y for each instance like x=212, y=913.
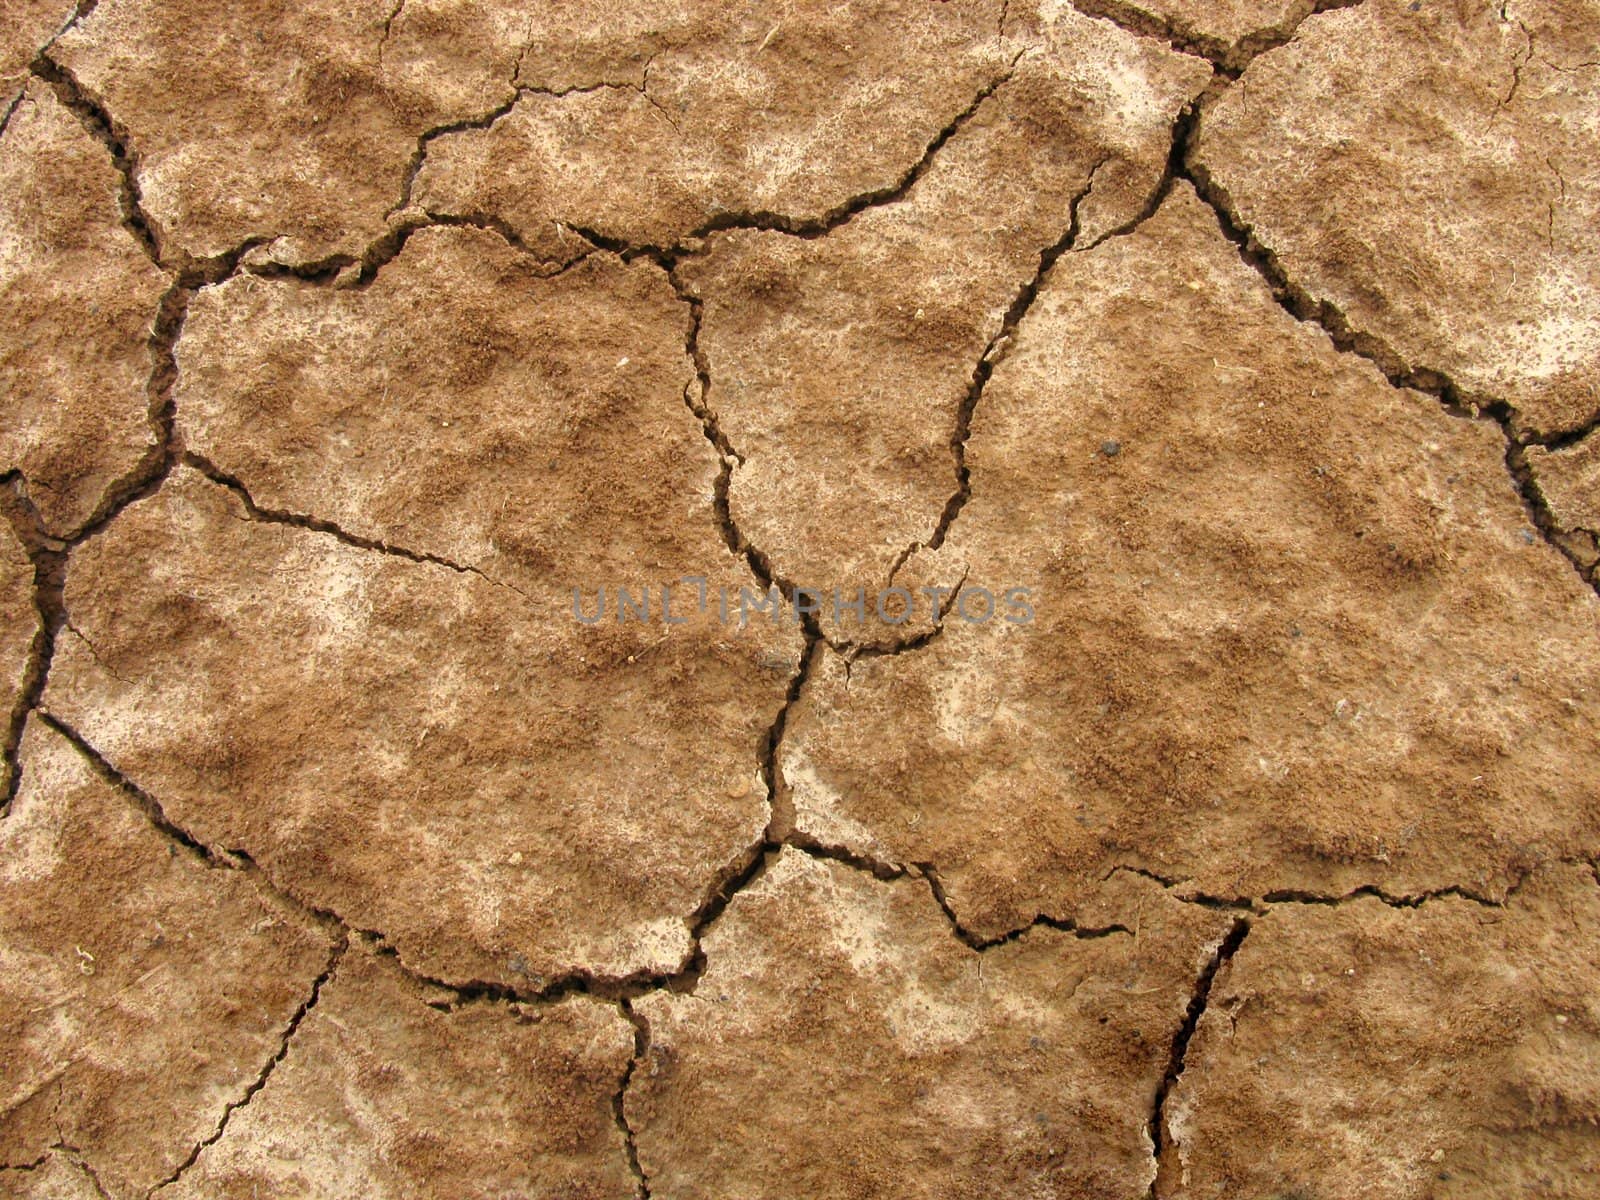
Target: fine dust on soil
x=443, y=443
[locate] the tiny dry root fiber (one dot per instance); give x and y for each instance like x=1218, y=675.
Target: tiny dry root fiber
x=905, y=599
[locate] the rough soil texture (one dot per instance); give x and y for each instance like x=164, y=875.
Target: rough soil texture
x=1027, y=1060
x=1433, y=188
x=1568, y=477
x=82, y=299
x=1197, y=399
x=296, y=124
x=144, y=986
x=1491, y=1011
x=25, y=27
x=692, y=119
x=1228, y=32
x=19, y=629
x=1243, y=593
x=842, y=362
x=429, y=753
x=388, y=1082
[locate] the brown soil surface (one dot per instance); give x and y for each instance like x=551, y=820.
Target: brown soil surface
x=968, y=598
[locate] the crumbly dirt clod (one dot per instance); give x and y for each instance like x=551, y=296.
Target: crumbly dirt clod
x=82, y=298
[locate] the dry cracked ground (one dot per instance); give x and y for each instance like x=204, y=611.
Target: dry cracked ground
x=889, y=598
